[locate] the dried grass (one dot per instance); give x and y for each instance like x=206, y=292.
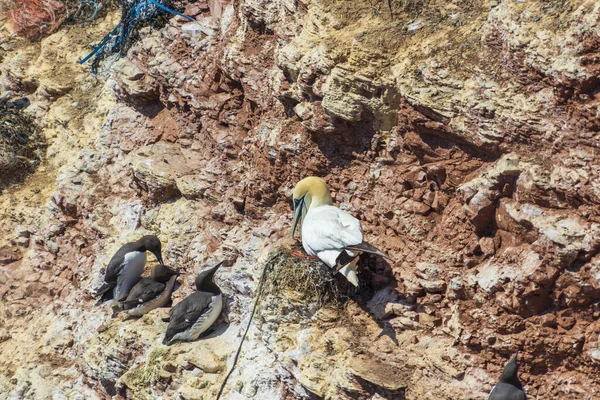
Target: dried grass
x=301, y=280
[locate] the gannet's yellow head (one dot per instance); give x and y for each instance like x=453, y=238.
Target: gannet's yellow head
x=309, y=192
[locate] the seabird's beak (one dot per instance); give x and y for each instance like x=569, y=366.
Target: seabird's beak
x=298, y=206
x=216, y=266
x=158, y=257
x=173, y=271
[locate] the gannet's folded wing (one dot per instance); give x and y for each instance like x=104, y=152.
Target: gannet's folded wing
x=367, y=248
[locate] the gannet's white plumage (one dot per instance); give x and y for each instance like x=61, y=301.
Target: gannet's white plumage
x=331, y=234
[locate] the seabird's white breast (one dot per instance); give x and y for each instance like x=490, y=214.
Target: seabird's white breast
x=204, y=322
x=133, y=267
x=326, y=230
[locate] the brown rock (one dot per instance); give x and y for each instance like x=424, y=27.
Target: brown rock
x=415, y=207
x=9, y=255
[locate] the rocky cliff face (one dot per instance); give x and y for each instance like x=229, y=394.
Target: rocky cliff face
x=463, y=134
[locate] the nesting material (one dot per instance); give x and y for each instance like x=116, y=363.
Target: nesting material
x=135, y=14
x=33, y=18
x=20, y=145
x=303, y=281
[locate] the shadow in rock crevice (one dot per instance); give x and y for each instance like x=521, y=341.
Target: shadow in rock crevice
x=375, y=274
x=347, y=140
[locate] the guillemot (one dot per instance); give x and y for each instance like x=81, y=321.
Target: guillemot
x=151, y=292
x=331, y=234
x=125, y=268
x=509, y=387
x=197, y=312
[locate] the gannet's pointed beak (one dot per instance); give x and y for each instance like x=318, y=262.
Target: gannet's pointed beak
x=298, y=206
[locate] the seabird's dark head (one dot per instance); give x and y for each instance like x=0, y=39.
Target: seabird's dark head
x=204, y=279
x=162, y=273
x=509, y=375
x=152, y=244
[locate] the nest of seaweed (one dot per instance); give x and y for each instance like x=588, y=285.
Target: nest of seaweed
x=20, y=145
x=303, y=282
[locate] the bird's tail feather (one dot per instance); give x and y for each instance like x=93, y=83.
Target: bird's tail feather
x=106, y=296
x=350, y=274
x=104, y=288
x=128, y=303
x=367, y=248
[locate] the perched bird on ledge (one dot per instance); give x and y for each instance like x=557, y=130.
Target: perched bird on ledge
x=196, y=313
x=125, y=268
x=509, y=387
x=331, y=234
x=151, y=292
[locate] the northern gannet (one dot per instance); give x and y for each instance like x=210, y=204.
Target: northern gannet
x=331, y=234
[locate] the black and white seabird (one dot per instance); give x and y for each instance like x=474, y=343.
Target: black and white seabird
x=197, y=312
x=331, y=234
x=509, y=387
x=151, y=292
x=125, y=268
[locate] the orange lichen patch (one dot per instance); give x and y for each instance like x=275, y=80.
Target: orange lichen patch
x=32, y=18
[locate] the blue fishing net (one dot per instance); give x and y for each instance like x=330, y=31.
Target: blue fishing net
x=134, y=14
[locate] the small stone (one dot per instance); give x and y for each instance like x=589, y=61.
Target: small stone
x=405, y=323
x=22, y=232
x=416, y=207
x=566, y=319
x=433, y=286
x=164, y=376
x=398, y=308
x=4, y=335
x=169, y=367
x=52, y=246
x=303, y=111
x=427, y=271
x=239, y=203
x=8, y=256
x=102, y=328
x=436, y=298
x=486, y=244
x=22, y=241
x=412, y=289
x=192, y=187
x=549, y=320
x=595, y=355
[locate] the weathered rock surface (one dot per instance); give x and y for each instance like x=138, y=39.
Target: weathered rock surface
x=464, y=135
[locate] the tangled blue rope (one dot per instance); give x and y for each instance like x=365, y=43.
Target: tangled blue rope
x=122, y=32
x=93, y=4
